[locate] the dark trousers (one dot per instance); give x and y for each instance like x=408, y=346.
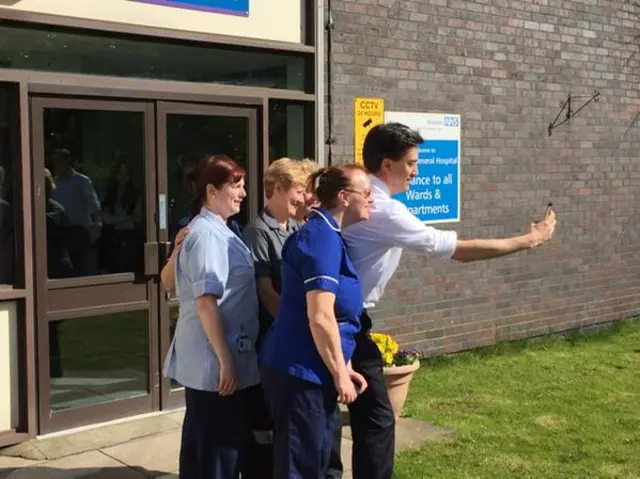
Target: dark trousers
x=303, y=425
x=371, y=416
x=260, y=452
x=79, y=242
x=335, y=460
x=215, y=435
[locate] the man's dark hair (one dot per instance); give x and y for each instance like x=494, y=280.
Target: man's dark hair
x=61, y=153
x=389, y=140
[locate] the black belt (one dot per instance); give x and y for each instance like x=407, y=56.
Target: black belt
x=365, y=321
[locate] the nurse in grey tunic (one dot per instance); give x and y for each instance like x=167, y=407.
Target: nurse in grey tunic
x=213, y=352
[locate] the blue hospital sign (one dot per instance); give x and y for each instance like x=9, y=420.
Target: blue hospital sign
x=230, y=7
x=434, y=196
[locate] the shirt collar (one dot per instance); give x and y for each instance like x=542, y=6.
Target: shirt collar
x=378, y=184
x=211, y=216
x=327, y=217
x=272, y=223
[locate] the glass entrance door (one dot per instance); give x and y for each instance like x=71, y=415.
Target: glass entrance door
x=187, y=133
x=109, y=195
x=97, y=262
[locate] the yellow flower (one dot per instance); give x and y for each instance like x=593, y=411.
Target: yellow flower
x=387, y=346
x=388, y=359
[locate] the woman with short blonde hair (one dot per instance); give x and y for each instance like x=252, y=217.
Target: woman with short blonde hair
x=285, y=182
x=286, y=173
x=309, y=167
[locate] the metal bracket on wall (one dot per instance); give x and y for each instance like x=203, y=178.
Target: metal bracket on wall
x=570, y=113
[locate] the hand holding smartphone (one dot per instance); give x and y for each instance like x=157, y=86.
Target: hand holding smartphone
x=546, y=212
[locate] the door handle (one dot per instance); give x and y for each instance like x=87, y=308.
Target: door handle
x=156, y=254
x=151, y=259
x=165, y=252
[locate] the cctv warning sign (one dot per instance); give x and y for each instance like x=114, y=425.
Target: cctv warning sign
x=368, y=112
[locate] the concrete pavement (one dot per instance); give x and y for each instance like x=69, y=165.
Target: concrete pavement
x=142, y=448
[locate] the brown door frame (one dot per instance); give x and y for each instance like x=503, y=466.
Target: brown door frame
x=56, y=85
x=172, y=399
x=134, y=297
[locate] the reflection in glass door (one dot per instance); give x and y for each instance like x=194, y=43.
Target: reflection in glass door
x=186, y=133
x=95, y=230
x=189, y=139
x=95, y=192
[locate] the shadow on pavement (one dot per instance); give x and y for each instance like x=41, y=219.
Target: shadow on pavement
x=48, y=472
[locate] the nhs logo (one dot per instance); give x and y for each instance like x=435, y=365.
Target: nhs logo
x=451, y=121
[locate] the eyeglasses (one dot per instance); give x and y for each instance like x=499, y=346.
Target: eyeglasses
x=365, y=194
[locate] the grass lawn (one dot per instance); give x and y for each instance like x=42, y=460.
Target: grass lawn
x=557, y=408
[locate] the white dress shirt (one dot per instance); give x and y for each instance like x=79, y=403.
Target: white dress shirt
x=375, y=246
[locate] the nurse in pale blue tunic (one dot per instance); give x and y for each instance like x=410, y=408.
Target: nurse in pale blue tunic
x=213, y=352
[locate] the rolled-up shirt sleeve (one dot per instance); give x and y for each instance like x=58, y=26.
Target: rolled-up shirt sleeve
x=258, y=244
x=402, y=229
x=320, y=257
x=208, y=263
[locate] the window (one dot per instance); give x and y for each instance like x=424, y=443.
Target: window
x=94, y=192
x=8, y=205
x=73, y=51
x=98, y=359
x=290, y=130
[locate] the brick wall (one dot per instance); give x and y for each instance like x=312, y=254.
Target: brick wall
x=507, y=67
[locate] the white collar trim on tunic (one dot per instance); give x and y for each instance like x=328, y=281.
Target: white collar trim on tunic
x=325, y=219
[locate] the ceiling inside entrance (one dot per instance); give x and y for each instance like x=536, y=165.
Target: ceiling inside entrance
x=64, y=51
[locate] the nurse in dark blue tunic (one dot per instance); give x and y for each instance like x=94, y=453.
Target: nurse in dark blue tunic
x=306, y=356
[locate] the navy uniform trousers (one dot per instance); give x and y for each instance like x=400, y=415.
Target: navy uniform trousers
x=304, y=417
x=215, y=435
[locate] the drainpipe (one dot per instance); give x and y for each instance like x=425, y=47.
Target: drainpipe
x=319, y=84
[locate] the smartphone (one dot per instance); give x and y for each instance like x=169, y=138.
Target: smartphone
x=546, y=212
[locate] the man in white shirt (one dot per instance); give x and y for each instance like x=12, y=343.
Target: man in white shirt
x=390, y=154
x=75, y=192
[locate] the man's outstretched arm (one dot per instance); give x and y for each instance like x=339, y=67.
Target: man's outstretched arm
x=399, y=228
x=479, y=249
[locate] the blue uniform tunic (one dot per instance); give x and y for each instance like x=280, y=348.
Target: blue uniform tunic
x=313, y=258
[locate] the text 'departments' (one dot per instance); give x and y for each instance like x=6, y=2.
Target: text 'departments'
x=434, y=195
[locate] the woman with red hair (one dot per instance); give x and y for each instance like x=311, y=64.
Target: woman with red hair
x=213, y=351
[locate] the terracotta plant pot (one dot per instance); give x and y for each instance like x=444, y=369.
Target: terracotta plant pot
x=398, y=379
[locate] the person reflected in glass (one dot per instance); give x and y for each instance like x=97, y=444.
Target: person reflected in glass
x=122, y=232
x=182, y=189
x=58, y=262
x=306, y=356
x=213, y=352
x=75, y=192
